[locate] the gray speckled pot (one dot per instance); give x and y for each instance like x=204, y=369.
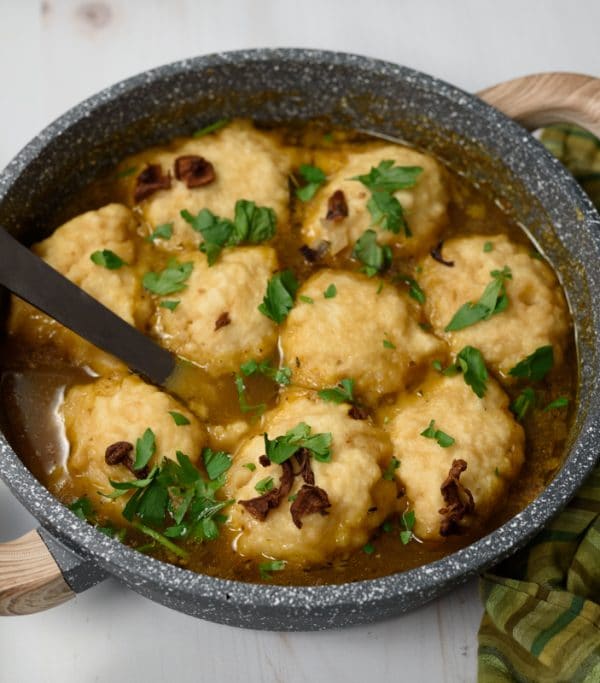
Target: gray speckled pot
x=281, y=85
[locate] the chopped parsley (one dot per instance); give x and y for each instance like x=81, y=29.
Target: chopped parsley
x=408, y=521
x=171, y=304
x=216, y=463
x=163, y=232
x=170, y=280
x=306, y=299
x=265, y=485
x=342, y=393
x=444, y=440
x=493, y=300
x=374, y=257
x=314, y=178
x=145, y=448
x=280, y=375
x=437, y=365
x=385, y=209
x=390, y=470
x=283, y=447
x=388, y=344
x=475, y=374
x=83, y=508
x=250, y=466
x=368, y=548
x=107, y=259
x=279, y=298
x=252, y=224
x=488, y=246
x=265, y=568
x=173, y=502
x=524, y=401
x=211, y=128
x=414, y=289
x=330, y=292
x=560, y=402
x=245, y=407
x=536, y=366
x=179, y=419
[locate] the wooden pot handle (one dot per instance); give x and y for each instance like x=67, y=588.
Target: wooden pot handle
x=30, y=579
x=546, y=98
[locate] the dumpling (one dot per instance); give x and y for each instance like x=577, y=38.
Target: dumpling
x=363, y=333
x=487, y=439
x=217, y=323
x=357, y=499
x=424, y=204
x=536, y=314
x=68, y=250
x=246, y=164
x=108, y=411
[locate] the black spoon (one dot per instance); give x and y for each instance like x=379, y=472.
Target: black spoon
x=32, y=279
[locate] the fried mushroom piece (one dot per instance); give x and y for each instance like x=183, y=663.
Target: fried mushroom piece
x=212, y=172
x=343, y=336
x=217, y=322
x=536, y=314
x=103, y=420
x=314, y=526
x=424, y=205
x=447, y=497
x=68, y=250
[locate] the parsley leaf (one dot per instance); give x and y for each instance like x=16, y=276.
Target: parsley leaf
x=342, y=393
x=389, y=178
x=163, y=232
x=252, y=224
x=145, y=447
x=175, y=493
x=374, y=256
x=444, y=440
x=492, y=301
x=245, y=407
x=170, y=280
x=265, y=485
x=387, y=344
x=383, y=181
x=560, y=402
x=108, y=259
x=524, y=401
x=475, y=373
x=265, y=568
x=283, y=447
x=216, y=463
x=170, y=304
x=179, y=419
x=83, y=508
x=280, y=375
x=250, y=466
x=314, y=178
x=306, y=299
x=211, y=128
x=408, y=520
x=536, y=366
x=330, y=292
x=368, y=548
x=390, y=470
x=279, y=298
x=414, y=290
x=488, y=246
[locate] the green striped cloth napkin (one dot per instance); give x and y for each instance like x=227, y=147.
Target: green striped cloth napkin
x=541, y=619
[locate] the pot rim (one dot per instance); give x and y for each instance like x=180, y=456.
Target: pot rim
x=137, y=569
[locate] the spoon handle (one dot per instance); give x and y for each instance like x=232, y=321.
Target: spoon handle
x=32, y=279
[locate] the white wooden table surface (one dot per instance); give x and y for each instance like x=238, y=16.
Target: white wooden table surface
x=53, y=53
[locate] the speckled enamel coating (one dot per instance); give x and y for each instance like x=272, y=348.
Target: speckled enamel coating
x=281, y=85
